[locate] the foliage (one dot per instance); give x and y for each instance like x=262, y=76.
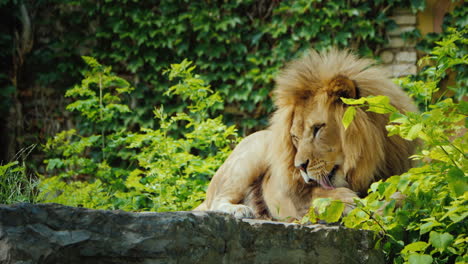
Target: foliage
x=452, y=49
x=238, y=45
x=15, y=185
x=105, y=166
x=454, y=20
x=430, y=225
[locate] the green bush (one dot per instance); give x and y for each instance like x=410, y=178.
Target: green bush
x=430, y=225
x=105, y=166
x=15, y=185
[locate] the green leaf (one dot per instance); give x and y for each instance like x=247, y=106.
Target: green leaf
x=457, y=181
x=380, y=104
x=419, y=259
x=414, y=131
x=418, y=5
x=54, y=164
x=320, y=204
x=4, y=168
x=348, y=116
x=440, y=240
x=374, y=186
x=378, y=100
x=463, y=107
x=333, y=212
x=92, y=62
x=397, y=117
x=415, y=247
x=389, y=207
x=351, y=101
x=426, y=227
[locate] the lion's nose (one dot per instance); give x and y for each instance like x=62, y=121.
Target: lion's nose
x=303, y=166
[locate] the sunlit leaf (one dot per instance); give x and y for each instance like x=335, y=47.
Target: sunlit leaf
x=415, y=247
x=419, y=259
x=348, y=116
x=413, y=132
x=333, y=211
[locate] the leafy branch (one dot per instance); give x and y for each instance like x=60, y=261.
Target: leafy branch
x=428, y=227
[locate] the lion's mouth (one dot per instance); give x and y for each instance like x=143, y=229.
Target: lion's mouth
x=323, y=181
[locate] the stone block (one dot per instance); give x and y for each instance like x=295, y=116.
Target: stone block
x=399, y=70
x=386, y=56
x=399, y=30
x=401, y=10
x=404, y=19
x=51, y=233
x=406, y=56
x=399, y=43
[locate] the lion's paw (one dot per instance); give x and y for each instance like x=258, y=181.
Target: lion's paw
x=237, y=210
x=346, y=196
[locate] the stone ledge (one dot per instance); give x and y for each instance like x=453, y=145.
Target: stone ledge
x=52, y=233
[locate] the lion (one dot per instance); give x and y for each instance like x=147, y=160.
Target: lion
x=306, y=153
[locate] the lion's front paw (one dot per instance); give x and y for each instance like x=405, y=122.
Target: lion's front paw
x=343, y=194
x=237, y=210
x=346, y=196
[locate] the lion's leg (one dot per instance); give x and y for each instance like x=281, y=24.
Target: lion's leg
x=237, y=210
x=343, y=194
x=223, y=205
x=232, y=180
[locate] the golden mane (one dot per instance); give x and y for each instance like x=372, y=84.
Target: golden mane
x=369, y=153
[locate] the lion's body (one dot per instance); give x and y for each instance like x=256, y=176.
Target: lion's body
x=262, y=176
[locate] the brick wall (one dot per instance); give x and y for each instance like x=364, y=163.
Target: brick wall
x=400, y=56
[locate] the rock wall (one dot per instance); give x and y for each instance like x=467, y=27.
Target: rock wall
x=51, y=233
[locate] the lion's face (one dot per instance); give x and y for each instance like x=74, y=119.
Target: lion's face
x=316, y=136
x=308, y=136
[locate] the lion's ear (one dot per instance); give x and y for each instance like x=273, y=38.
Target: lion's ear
x=342, y=86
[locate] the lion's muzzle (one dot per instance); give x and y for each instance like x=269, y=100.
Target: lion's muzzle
x=317, y=173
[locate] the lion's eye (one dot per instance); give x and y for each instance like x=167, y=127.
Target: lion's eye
x=294, y=137
x=316, y=128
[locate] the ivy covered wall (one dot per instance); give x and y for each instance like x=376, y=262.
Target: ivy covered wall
x=237, y=45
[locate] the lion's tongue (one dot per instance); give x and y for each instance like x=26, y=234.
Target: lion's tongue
x=325, y=183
